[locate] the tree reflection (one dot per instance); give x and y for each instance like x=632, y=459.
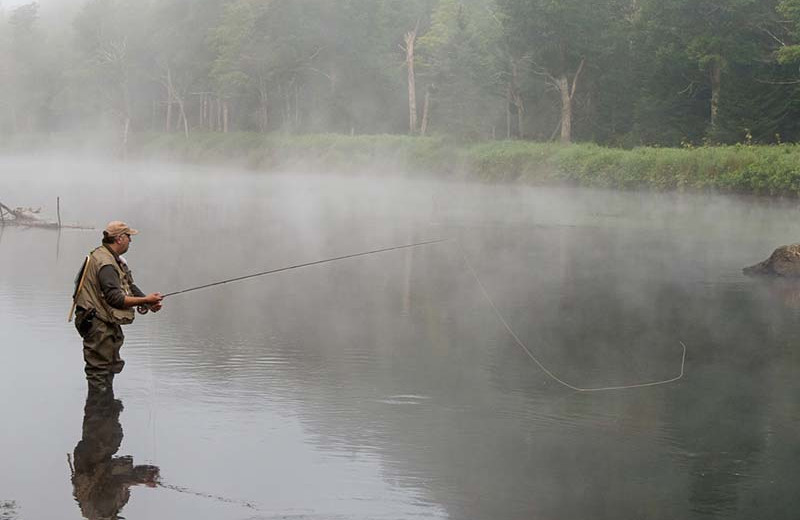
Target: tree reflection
x=101, y=482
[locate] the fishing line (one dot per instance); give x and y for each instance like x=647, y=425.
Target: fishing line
x=216, y=498
x=297, y=266
x=540, y=364
x=494, y=307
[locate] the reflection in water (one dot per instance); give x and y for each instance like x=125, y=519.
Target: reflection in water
x=385, y=387
x=786, y=291
x=101, y=482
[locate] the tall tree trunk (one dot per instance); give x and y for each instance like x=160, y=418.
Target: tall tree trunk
x=183, y=117
x=508, y=112
x=287, y=107
x=218, y=103
x=715, y=75
x=425, y=111
x=202, y=110
x=263, y=105
x=410, y=38
x=168, y=120
x=516, y=97
x=566, y=110
x=173, y=96
x=296, y=106
x=225, y=117
x=567, y=92
x=264, y=111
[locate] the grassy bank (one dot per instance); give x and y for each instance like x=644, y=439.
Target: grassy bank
x=763, y=170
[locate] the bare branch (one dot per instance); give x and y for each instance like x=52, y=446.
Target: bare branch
x=549, y=78
x=316, y=53
x=312, y=69
x=575, y=79
x=768, y=82
x=781, y=42
x=688, y=87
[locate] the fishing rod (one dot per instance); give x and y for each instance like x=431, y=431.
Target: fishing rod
x=144, y=309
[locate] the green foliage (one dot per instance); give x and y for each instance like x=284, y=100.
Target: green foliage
x=761, y=170
x=491, y=68
x=456, y=67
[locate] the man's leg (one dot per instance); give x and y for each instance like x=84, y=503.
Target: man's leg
x=99, y=347
x=117, y=363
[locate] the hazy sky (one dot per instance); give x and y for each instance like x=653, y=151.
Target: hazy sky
x=50, y=11
x=45, y=5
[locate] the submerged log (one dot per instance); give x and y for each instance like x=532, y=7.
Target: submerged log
x=28, y=217
x=783, y=262
x=19, y=213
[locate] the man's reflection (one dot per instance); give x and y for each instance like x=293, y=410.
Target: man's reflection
x=101, y=482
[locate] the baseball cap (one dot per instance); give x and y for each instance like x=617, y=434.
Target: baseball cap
x=116, y=228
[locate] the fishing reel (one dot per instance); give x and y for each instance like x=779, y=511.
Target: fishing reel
x=143, y=309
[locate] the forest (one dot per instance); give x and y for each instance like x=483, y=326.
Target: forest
x=618, y=73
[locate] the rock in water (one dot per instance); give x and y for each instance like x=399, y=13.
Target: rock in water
x=784, y=261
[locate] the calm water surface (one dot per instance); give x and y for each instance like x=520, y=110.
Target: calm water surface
x=385, y=386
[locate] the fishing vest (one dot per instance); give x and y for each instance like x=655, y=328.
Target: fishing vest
x=90, y=295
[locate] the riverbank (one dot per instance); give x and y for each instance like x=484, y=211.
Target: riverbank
x=760, y=170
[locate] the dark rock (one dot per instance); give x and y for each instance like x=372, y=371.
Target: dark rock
x=783, y=262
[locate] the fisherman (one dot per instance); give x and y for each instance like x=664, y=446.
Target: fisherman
x=104, y=299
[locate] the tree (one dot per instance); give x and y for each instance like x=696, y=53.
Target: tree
x=26, y=70
x=109, y=36
x=179, y=55
x=457, y=61
x=563, y=39
x=703, y=41
x=410, y=40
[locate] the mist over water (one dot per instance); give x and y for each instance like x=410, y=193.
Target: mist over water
x=385, y=386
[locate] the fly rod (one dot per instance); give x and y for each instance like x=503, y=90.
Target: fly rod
x=143, y=309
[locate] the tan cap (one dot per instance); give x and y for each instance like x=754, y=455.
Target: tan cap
x=116, y=228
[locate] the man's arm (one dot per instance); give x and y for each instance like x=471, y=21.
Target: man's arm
x=112, y=291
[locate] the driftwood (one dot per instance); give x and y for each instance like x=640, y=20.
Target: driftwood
x=783, y=262
x=29, y=217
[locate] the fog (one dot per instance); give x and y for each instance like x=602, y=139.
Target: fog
x=385, y=386
x=505, y=351
x=630, y=74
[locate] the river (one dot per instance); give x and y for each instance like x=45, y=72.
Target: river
x=390, y=386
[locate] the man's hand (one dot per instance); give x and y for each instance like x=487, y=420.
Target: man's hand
x=153, y=299
x=156, y=307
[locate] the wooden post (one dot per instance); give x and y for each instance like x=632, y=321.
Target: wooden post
x=58, y=211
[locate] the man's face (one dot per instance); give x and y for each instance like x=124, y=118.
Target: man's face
x=124, y=242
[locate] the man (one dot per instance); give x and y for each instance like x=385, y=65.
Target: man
x=105, y=298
